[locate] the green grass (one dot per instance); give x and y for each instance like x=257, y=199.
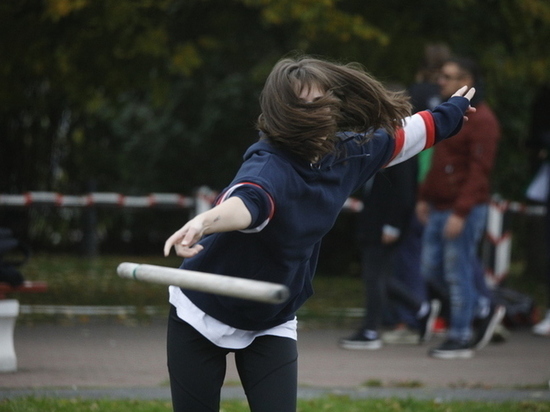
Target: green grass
x=75, y=280
x=76, y=405
x=328, y=403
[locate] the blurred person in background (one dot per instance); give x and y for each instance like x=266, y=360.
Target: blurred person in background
x=425, y=95
x=453, y=205
x=389, y=200
x=540, y=143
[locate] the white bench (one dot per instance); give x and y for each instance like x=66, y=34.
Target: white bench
x=9, y=311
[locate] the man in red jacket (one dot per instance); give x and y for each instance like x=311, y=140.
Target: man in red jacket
x=453, y=202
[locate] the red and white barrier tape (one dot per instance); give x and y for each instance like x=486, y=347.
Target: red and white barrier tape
x=497, y=247
x=176, y=200
x=204, y=196
x=96, y=199
x=517, y=207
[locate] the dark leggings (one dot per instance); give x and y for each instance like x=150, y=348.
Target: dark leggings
x=267, y=368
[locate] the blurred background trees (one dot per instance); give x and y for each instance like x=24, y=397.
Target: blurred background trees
x=148, y=96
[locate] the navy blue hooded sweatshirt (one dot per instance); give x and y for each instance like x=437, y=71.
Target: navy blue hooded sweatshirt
x=301, y=201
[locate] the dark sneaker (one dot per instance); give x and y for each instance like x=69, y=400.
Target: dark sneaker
x=452, y=349
x=485, y=328
x=361, y=341
x=426, y=323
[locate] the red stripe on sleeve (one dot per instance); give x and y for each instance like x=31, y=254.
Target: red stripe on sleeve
x=399, y=143
x=271, y=201
x=430, y=128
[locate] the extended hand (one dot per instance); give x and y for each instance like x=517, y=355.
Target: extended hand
x=185, y=240
x=422, y=212
x=388, y=239
x=468, y=94
x=464, y=92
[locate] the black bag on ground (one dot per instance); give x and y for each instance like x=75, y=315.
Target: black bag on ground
x=520, y=308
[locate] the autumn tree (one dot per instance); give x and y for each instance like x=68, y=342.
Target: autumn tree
x=161, y=95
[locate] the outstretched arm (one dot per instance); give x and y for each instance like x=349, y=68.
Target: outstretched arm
x=423, y=129
x=232, y=214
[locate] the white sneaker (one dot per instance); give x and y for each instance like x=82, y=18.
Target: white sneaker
x=543, y=327
x=401, y=336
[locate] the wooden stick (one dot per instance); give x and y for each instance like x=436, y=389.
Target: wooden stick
x=256, y=290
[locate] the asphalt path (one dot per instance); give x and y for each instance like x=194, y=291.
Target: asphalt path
x=104, y=358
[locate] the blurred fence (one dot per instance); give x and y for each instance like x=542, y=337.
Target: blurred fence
x=51, y=221
x=132, y=224
x=114, y=223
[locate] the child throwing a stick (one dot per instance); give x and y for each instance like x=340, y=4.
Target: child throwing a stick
x=325, y=129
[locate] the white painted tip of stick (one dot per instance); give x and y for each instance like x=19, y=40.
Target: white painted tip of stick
x=260, y=291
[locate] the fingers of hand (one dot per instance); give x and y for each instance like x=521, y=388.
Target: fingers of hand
x=186, y=251
x=184, y=241
x=174, y=239
x=191, y=237
x=470, y=94
x=469, y=111
x=465, y=92
x=461, y=91
x=168, y=245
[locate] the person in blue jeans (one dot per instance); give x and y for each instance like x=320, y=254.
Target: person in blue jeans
x=453, y=205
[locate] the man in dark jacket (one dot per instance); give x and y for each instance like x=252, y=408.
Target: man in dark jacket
x=389, y=200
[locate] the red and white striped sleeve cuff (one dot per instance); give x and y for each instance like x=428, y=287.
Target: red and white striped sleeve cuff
x=417, y=134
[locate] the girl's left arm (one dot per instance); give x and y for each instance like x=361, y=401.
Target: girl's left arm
x=424, y=129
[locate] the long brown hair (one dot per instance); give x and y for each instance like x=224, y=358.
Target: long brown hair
x=353, y=101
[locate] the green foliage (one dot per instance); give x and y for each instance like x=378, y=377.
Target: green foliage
x=316, y=18
x=143, y=95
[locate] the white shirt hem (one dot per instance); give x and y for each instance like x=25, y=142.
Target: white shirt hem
x=219, y=333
